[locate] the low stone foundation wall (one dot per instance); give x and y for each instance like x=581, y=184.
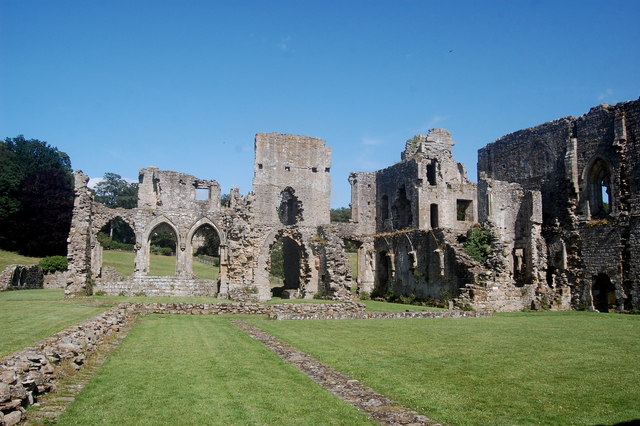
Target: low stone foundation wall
x=33, y=370
x=244, y=308
x=377, y=315
x=21, y=277
x=57, y=280
x=158, y=286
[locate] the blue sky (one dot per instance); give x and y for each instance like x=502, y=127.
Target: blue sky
x=185, y=85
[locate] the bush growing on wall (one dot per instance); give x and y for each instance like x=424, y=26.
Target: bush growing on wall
x=478, y=243
x=53, y=264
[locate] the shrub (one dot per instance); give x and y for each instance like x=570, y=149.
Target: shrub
x=53, y=264
x=364, y=295
x=478, y=243
x=109, y=244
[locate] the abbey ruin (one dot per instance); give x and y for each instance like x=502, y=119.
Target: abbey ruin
x=561, y=200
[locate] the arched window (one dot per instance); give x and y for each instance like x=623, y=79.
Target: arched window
x=599, y=189
x=290, y=209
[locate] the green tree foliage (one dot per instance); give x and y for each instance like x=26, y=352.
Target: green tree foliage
x=211, y=246
x=36, y=197
x=343, y=214
x=478, y=243
x=277, y=260
x=114, y=191
x=53, y=264
x=117, y=235
x=163, y=240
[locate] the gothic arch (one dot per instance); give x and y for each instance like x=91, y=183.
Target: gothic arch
x=263, y=263
x=204, y=221
x=598, y=188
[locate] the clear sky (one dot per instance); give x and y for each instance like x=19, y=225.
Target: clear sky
x=185, y=85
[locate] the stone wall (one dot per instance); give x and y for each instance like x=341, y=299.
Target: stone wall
x=157, y=286
x=34, y=370
x=21, y=277
x=587, y=170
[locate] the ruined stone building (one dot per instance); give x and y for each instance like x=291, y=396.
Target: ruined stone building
x=561, y=200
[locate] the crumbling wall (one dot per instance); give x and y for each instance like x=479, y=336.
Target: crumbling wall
x=587, y=171
x=21, y=277
x=295, y=166
x=364, y=201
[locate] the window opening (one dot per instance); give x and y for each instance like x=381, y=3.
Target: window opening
x=464, y=210
x=433, y=210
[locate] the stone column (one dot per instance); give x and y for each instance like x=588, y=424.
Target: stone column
x=79, y=241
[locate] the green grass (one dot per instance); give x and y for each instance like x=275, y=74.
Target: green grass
x=27, y=316
x=377, y=306
x=201, y=370
x=123, y=262
x=521, y=368
x=10, y=258
x=353, y=264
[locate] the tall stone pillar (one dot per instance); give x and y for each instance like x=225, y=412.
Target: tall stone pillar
x=79, y=241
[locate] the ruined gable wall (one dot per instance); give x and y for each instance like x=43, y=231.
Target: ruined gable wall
x=389, y=183
x=169, y=190
x=363, y=201
x=534, y=158
x=298, y=162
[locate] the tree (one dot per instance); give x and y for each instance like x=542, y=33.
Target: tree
x=114, y=191
x=36, y=197
x=343, y=214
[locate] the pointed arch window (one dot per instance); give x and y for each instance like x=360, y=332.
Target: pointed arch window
x=599, y=189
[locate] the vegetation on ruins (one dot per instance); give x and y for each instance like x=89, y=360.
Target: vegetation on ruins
x=478, y=243
x=114, y=191
x=36, y=197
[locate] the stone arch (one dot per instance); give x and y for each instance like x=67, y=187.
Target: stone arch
x=598, y=191
x=205, y=221
x=143, y=243
x=99, y=222
x=306, y=287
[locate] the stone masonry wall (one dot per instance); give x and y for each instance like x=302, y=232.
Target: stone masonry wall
x=33, y=371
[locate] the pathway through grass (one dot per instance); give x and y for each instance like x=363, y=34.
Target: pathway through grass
x=27, y=316
x=522, y=368
x=201, y=370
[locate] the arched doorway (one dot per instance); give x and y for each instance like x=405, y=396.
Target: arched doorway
x=117, y=239
x=603, y=293
x=163, y=242
x=205, y=252
x=285, y=267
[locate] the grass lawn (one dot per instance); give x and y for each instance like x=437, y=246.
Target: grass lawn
x=201, y=370
x=353, y=264
x=123, y=262
x=10, y=258
x=27, y=316
x=520, y=368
